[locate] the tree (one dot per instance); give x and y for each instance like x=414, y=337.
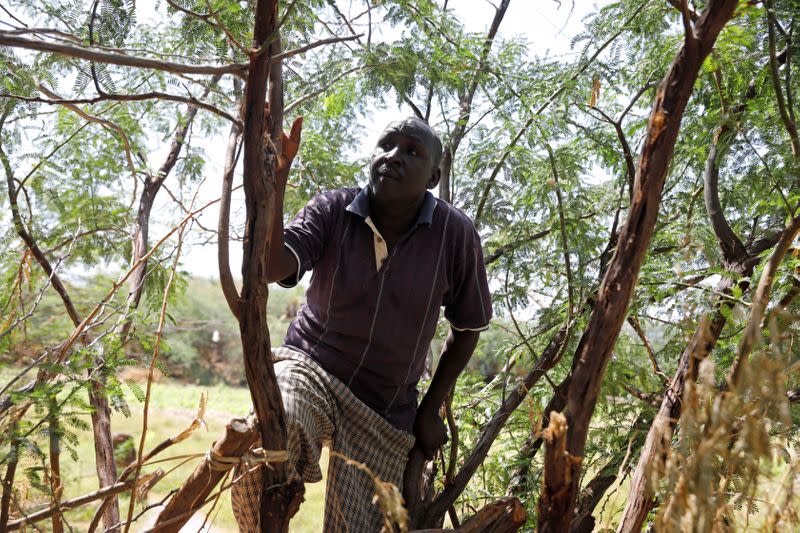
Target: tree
x=574, y=257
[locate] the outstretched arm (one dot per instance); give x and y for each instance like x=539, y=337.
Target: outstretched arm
x=282, y=263
x=428, y=426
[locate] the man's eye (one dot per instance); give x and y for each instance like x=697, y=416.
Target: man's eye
x=412, y=151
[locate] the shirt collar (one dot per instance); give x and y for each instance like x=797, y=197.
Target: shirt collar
x=360, y=207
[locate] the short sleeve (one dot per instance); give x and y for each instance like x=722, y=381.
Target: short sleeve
x=467, y=303
x=306, y=234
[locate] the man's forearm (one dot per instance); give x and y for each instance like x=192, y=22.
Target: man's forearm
x=457, y=350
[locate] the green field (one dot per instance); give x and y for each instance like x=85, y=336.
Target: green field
x=173, y=406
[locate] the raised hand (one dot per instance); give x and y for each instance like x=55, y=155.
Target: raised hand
x=290, y=144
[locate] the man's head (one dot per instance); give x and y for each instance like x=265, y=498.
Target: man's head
x=405, y=162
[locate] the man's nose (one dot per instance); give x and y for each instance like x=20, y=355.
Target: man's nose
x=393, y=155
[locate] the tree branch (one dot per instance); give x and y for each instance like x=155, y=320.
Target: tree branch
x=141, y=231
x=8, y=483
x=70, y=504
x=580, y=70
x=92, y=54
x=190, y=100
x=637, y=327
x=594, y=350
x=752, y=330
x=302, y=99
x=788, y=123
x=229, y=289
x=563, y=227
x=465, y=111
x=547, y=360
x=315, y=44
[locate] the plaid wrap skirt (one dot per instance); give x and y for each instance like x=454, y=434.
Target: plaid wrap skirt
x=321, y=410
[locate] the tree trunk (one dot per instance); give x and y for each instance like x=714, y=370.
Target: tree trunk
x=104, y=449
x=505, y=515
x=279, y=499
x=594, y=350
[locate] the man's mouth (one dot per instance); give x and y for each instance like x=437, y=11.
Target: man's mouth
x=385, y=172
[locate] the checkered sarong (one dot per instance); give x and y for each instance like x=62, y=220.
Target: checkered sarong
x=320, y=409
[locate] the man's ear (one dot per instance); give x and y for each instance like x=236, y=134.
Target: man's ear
x=436, y=175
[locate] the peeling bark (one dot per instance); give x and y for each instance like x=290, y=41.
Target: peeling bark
x=558, y=472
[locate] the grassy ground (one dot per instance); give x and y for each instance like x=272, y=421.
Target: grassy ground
x=173, y=406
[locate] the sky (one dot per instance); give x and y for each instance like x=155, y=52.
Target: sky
x=546, y=25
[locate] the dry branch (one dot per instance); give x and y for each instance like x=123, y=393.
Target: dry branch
x=238, y=438
x=741, y=263
x=502, y=516
x=154, y=95
x=114, y=489
x=557, y=472
x=262, y=144
x=141, y=230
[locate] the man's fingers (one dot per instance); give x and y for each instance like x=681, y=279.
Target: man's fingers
x=297, y=128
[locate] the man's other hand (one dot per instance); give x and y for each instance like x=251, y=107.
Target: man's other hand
x=430, y=432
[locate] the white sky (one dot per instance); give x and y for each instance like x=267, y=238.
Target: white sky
x=547, y=25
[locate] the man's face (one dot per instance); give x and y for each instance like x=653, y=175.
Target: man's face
x=402, y=166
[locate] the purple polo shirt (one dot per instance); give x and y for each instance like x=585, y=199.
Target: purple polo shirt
x=370, y=314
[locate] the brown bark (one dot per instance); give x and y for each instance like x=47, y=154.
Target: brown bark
x=103, y=448
x=703, y=340
x=279, y=499
x=502, y=516
x=8, y=38
x=152, y=184
x=12, y=459
x=594, y=349
x=238, y=438
x=558, y=472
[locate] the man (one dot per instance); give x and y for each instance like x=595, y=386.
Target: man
x=385, y=259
